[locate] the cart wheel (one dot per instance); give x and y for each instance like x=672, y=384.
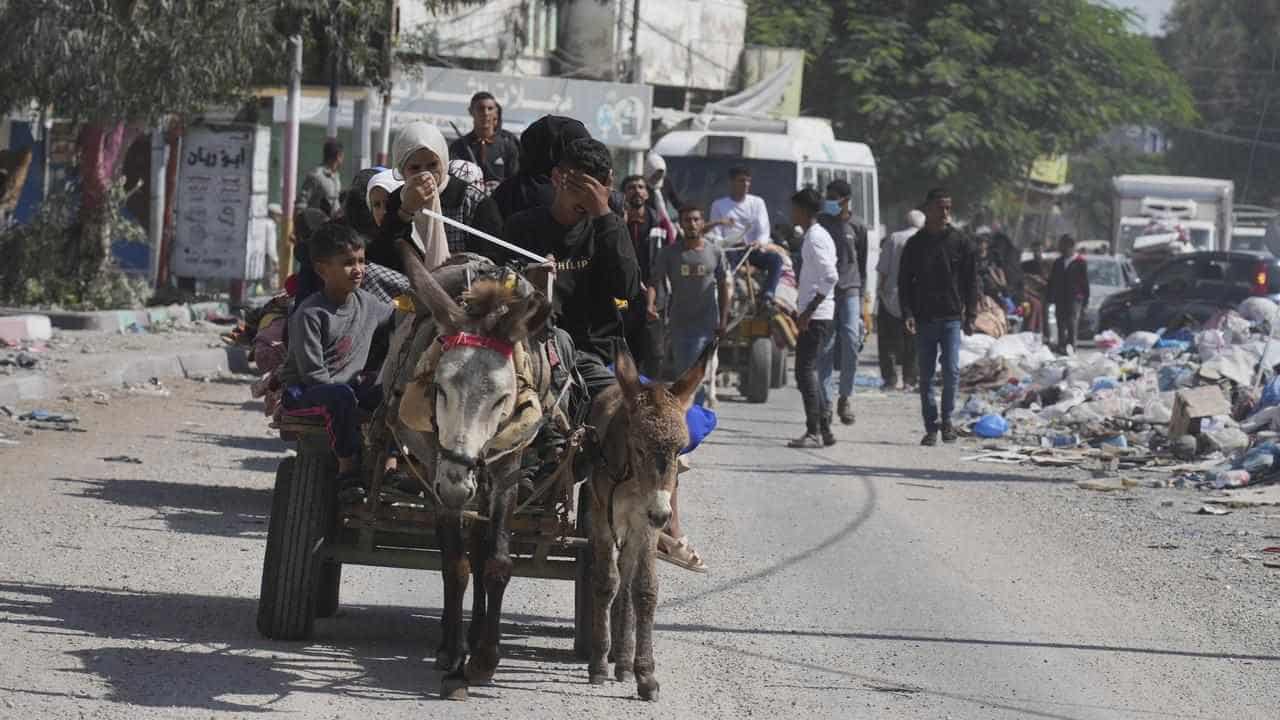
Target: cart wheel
x=583, y=597
x=302, y=508
x=328, y=589
x=778, y=374
x=755, y=382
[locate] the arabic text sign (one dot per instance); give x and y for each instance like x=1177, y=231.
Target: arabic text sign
x=217, y=207
x=616, y=114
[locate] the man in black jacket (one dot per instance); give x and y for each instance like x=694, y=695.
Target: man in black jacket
x=1068, y=291
x=938, y=288
x=648, y=237
x=495, y=150
x=596, y=273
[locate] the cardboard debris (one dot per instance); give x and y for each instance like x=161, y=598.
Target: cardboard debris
x=1195, y=404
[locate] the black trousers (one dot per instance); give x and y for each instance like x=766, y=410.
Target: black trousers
x=896, y=348
x=817, y=412
x=1068, y=325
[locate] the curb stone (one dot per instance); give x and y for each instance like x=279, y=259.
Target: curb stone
x=125, y=320
x=134, y=368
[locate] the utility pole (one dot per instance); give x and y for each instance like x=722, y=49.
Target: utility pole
x=159, y=161
x=285, y=244
x=335, y=54
x=634, y=70
x=388, y=55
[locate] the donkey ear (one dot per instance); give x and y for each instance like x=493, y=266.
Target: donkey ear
x=628, y=375
x=428, y=292
x=524, y=317
x=686, y=387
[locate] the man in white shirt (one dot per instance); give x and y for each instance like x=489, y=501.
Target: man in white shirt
x=742, y=217
x=896, y=346
x=817, y=284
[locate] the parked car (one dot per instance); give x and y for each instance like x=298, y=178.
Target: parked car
x=1108, y=275
x=1195, y=286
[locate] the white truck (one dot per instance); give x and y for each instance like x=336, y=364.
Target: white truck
x=1156, y=216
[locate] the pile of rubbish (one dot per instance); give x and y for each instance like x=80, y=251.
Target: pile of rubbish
x=1199, y=407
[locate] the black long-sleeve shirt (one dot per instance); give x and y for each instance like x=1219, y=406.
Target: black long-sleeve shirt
x=498, y=158
x=938, y=277
x=1069, y=282
x=595, y=265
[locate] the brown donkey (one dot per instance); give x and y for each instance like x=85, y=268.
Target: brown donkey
x=641, y=430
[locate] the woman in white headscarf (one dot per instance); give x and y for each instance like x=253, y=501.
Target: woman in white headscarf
x=421, y=158
x=655, y=173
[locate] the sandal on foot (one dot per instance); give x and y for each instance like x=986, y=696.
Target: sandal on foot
x=680, y=554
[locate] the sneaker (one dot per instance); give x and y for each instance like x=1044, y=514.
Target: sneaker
x=930, y=439
x=808, y=441
x=948, y=434
x=844, y=412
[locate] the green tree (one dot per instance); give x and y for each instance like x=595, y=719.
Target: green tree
x=1229, y=54
x=115, y=66
x=969, y=93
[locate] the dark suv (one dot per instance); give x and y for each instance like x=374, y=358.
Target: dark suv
x=1195, y=285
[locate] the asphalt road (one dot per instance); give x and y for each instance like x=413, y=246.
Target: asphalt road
x=875, y=579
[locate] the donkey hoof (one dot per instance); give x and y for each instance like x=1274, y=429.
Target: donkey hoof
x=648, y=689
x=479, y=673
x=452, y=688
x=622, y=674
x=598, y=679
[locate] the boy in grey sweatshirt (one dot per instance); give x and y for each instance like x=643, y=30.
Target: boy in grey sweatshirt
x=330, y=334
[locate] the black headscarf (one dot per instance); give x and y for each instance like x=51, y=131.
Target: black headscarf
x=355, y=211
x=541, y=147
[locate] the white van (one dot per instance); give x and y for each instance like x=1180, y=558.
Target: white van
x=783, y=156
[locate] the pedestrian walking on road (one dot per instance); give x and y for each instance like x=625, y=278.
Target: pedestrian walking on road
x=698, y=274
x=938, y=287
x=322, y=187
x=495, y=150
x=896, y=346
x=850, y=237
x=817, y=284
x=649, y=235
x=1069, y=292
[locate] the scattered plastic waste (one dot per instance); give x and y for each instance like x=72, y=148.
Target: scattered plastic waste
x=991, y=426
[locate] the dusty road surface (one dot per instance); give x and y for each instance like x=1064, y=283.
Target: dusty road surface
x=875, y=579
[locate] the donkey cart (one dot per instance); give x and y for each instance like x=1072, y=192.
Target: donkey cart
x=312, y=534
x=759, y=337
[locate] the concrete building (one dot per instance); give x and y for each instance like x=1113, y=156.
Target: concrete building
x=679, y=45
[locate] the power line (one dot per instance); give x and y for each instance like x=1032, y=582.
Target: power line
x=1237, y=139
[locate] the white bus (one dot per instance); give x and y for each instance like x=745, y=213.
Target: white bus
x=783, y=156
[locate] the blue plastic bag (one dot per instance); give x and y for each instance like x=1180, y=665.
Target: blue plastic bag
x=991, y=426
x=1104, y=383
x=1270, y=396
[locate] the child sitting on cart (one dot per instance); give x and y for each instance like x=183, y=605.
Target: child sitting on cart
x=330, y=334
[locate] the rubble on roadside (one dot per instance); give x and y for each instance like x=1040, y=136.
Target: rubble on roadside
x=1181, y=408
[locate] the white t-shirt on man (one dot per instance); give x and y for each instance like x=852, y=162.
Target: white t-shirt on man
x=749, y=214
x=818, y=272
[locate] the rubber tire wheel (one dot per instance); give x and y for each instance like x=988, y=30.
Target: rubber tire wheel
x=327, y=591
x=778, y=373
x=755, y=386
x=302, y=508
x=583, y=593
